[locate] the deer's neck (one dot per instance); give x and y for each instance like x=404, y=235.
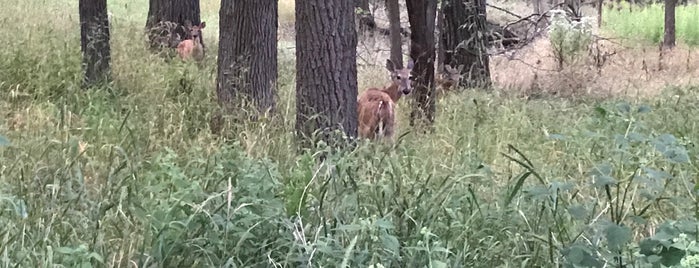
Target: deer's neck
x=393, y=91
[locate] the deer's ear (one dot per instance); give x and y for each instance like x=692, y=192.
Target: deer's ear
x=188, y=23
x=411, y=64
x=390, y=66
x=202, y=25
x=461, y=67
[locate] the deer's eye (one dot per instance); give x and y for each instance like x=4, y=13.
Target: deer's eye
x=398, y=77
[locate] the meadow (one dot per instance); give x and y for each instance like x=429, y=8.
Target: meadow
x=128, y=175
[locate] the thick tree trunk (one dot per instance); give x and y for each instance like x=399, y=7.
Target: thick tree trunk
x=94, y=41
x=421, y=15
x=366, y=18
x=166, y=19
x=669, y=37
x=247, y=55
x=465, y=41
x=393, y=11
x=326, y=69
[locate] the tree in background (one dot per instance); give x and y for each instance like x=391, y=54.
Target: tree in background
x=94, y=41
x=669, y=36
x=421, y=15
x=465, y=41
x=326, y=69
x=166, y=19
x=393, y=12
x=366, y=18
x=247, y=55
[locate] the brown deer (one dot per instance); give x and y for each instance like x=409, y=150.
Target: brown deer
x=448, y=79
x=376, y=107
x=192, y=48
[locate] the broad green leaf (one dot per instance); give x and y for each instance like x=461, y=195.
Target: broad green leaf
x=580, y=256
x=578, y=212
x=649, y=246
x=643, y=108
x=624, y=107
x=604, y=181
x=617, y=236
x=671, y=256
x=390, y=242
x=438, y=264
x=4, y=141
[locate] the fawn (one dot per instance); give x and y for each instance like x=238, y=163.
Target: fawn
x=375, y=107
x=449, y=78
x=192, y=48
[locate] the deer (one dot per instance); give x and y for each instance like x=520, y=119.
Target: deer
x=448, y=79
x=376, y=106
x=192, y=48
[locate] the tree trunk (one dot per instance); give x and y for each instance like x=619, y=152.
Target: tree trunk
x=326, y=69
x=669, y=38
x=465, y=40
x=166, y=19
x=94, y=41
x=247, y=55
x=600, y=7
x=421, y=15
x=366, y=18
x=393, y=11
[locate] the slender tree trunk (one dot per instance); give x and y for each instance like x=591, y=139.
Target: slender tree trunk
x=393, y=11
x=600, y=7
x=247, y=55
x=166, y=19
x=669, y=37
x=94, y=41
x=465, y=41
x=326, y=69
x=366, y=18
x=421, y=15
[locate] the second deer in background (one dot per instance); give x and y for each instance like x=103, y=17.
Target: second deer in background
x=448, y=79
x=192, y=48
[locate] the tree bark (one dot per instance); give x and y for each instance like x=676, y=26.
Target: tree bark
x=465, y=41
x=669, y=37
x=177, y=12
x=393, y=11
x=326, y=69
x=247, y=55
x=94, y=41
x=366, y=18
x=421, y=15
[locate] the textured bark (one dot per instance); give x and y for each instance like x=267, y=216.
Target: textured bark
x=366, y=18
x=171, y=11
x=393, y=11
x=421, y=14
x=326, y=69
x=247, y=55
x=94, y=41
x=669, y=37
x=465, y=40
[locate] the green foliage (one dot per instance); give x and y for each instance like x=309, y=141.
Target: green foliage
x=129, y=175
x=646, y=23
x=569, y=39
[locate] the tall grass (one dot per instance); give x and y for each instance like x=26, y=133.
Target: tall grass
x=646, y=23
x=128, y=175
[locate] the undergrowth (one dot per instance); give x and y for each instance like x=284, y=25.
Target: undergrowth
x=128, y=175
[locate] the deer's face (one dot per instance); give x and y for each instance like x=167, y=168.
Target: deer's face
x=195, y=31
x=452, y=75
x=402, y=77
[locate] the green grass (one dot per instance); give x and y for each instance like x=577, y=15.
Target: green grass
x=647, y=23
x=128, y=175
